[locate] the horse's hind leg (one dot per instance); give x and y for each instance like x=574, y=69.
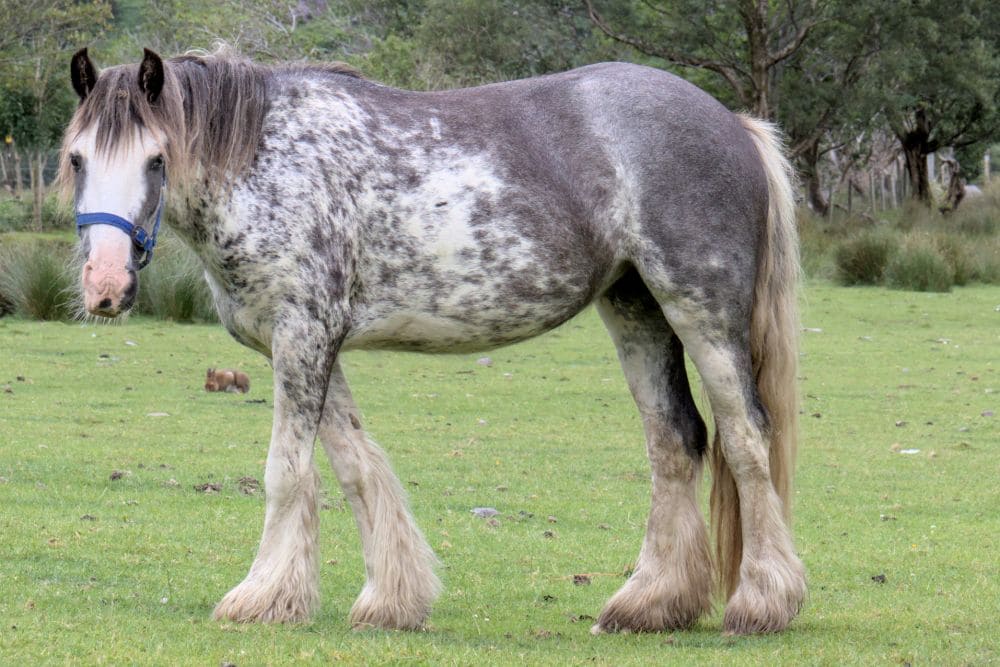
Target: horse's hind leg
x=770, y=585
x=672, y=583
x=401, y=584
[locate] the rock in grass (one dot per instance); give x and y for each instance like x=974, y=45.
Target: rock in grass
x=484, y=512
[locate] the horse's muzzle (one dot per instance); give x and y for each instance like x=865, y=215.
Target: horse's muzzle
x=108, y=291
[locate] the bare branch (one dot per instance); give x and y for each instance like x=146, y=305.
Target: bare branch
x=792, y=46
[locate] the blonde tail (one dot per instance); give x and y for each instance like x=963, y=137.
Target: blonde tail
x=774, y=333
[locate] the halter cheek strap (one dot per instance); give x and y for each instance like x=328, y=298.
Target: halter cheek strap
x=142, y=241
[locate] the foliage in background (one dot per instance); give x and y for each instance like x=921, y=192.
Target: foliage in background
x=861, y=260
x=39, y=279
x=172, y=286
x=744, y=43
x=938, y=80
x=36, y=281
x=919, y=266
x=35, y=100
x=436, y=44
x=910, y=248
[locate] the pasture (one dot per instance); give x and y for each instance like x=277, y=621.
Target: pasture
x=115, y=545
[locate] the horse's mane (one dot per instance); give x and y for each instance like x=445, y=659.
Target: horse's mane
x=209, y=115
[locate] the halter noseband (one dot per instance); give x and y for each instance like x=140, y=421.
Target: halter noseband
x=142, y=241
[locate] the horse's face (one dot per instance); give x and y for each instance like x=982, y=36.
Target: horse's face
x=125, y=182
x=116, y=164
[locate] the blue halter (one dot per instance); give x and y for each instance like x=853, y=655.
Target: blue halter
x=142, y=241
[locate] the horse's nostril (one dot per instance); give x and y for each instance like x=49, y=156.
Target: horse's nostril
x=104, y=304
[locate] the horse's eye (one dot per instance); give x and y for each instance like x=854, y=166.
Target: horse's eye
x=74, y=161
x=156, y=163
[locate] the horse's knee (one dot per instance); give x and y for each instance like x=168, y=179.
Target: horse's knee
x=288, y=477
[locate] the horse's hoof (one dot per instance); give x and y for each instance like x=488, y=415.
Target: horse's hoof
x=766, y=604
x=248, y=603
x=622, y=621
x=372, y=612
x=642, y=614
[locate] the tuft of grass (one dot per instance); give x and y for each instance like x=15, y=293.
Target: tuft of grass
x=959, y=254
x=862, y=260
x=920, y=267
x=36, y=281
x=975, y=220
x=172, y=286
x=56, y=213
x=847, y=249
x=15, y=214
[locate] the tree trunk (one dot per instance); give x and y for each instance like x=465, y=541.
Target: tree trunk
x=809, y=167
x=916, y=170
x=956, y=186
x=18, y=191
x=917, y=145
x=37, y=189
x=755, y=20
x=814, y=190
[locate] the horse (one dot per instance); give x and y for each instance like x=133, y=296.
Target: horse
x=334, y=213
x=224, y=379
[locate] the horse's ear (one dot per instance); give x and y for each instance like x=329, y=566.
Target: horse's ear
x=82, y=73
x=151, y=75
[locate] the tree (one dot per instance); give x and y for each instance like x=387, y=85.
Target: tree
x=267, y=30
x=939, y=75
x=826, y=102
x=743, y=42
x=33, y=55
x=447, y=43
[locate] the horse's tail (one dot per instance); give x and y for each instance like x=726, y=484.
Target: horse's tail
x=774, y=330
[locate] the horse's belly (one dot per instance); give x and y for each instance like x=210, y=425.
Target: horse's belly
x=457, y=328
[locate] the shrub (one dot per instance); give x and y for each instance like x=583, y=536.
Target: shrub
x=173, y=286
x=36, y=280
x=977, y=221
x=15, y=215
x=815, y=242
x=7, y=305
x=862, y=260
x=913, y=214
x=921, y=268
x=56, y=214
x=959, y=256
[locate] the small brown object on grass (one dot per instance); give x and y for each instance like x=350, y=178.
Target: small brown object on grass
x=224, y=379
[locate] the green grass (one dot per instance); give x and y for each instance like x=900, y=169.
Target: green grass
x=126, y=571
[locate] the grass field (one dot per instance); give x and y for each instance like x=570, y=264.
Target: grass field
x=110, y=555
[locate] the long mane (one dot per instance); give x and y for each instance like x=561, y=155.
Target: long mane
x=209, y=115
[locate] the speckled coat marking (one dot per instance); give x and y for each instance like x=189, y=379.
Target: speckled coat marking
x=453, y=221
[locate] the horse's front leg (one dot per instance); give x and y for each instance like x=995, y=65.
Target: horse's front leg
x=401, y=584
x=283, y=582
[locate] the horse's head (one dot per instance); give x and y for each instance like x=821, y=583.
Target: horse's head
x=115, y=159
